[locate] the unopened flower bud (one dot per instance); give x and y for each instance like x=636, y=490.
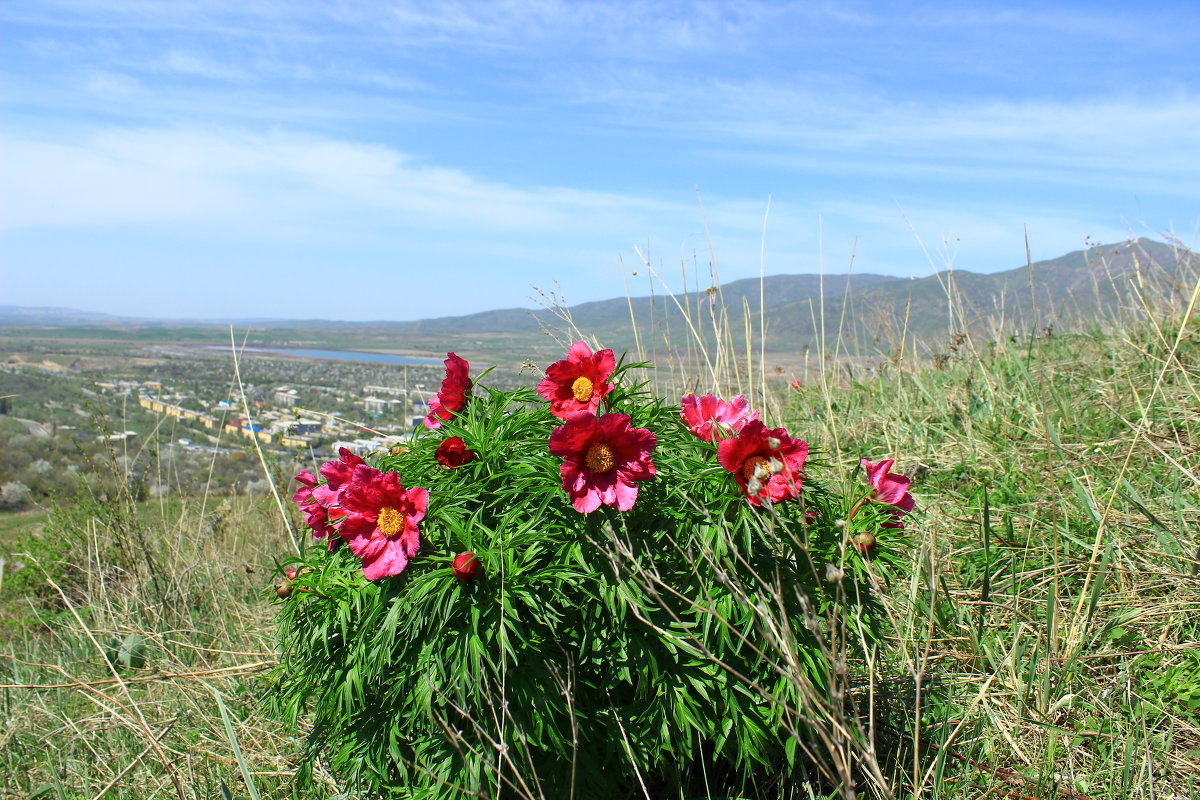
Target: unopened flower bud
x=864, y=542
x=773, y=442
x=839, y=523
x=833, y=573
x=283, y=589
x=466, y=567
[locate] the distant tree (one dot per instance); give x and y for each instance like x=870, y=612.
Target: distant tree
x=13, y=495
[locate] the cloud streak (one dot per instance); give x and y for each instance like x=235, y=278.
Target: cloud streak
x=271, y=180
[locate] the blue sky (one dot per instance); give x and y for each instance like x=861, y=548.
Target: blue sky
x=399, y=160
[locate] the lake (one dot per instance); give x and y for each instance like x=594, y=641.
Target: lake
x=339, y=355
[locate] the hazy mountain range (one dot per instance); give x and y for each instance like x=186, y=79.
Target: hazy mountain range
x=870, y=311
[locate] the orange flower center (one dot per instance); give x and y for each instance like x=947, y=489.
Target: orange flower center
x=391, y=521
x=751, y=466
x=600, y=456
x=582, y=389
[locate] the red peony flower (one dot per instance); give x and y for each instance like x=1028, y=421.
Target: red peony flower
x=381, y=519
x=768, y=464
x=603, y=458
x=453, y=394
x=889, y=489
x=466, y=567
x=453, y=453
x=709, y=415
x=579, y=382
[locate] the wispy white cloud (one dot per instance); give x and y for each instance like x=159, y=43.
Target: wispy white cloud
x=103, y=83
x=272, y=181
x=1151, y=138
x=637, y=30
x=200, y=66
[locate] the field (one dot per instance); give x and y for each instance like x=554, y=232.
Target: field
x=1043, y=641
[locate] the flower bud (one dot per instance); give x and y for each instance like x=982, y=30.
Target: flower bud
x=864, y=542
x=283, y=589
x=466, y=567
x=774, y=442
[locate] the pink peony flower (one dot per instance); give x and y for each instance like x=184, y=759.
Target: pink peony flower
x=453, y=394
x=767, y=463
x=710, y=415
x=602, y=460
x=380, y=525
x=453, y=453
x=889, y=489
x=579, y=382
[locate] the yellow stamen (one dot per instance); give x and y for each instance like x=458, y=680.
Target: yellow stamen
x=391, y=521
x=751, y=466
x=600, y=457
x=582, y=389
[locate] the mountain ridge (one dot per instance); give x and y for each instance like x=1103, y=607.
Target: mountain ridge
x=1096, y=281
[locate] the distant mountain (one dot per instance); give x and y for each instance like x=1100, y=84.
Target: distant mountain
x=1104, y=282
x=870, y=312
x=46, y=315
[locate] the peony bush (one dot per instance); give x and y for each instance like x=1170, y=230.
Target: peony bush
x=579, y=591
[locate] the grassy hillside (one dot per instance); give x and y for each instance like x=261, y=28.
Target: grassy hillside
x=1052, y=610
x=1044, y=642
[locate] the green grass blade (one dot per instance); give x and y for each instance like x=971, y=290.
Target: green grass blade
x=233, y=745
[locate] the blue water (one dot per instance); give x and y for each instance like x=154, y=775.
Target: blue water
x=340, y=355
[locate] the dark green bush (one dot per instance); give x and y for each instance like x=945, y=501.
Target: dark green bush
x=675, y=648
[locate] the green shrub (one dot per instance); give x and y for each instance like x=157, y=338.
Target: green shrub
x=678, y=646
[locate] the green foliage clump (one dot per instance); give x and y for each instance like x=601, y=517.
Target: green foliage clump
x=676, y=648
